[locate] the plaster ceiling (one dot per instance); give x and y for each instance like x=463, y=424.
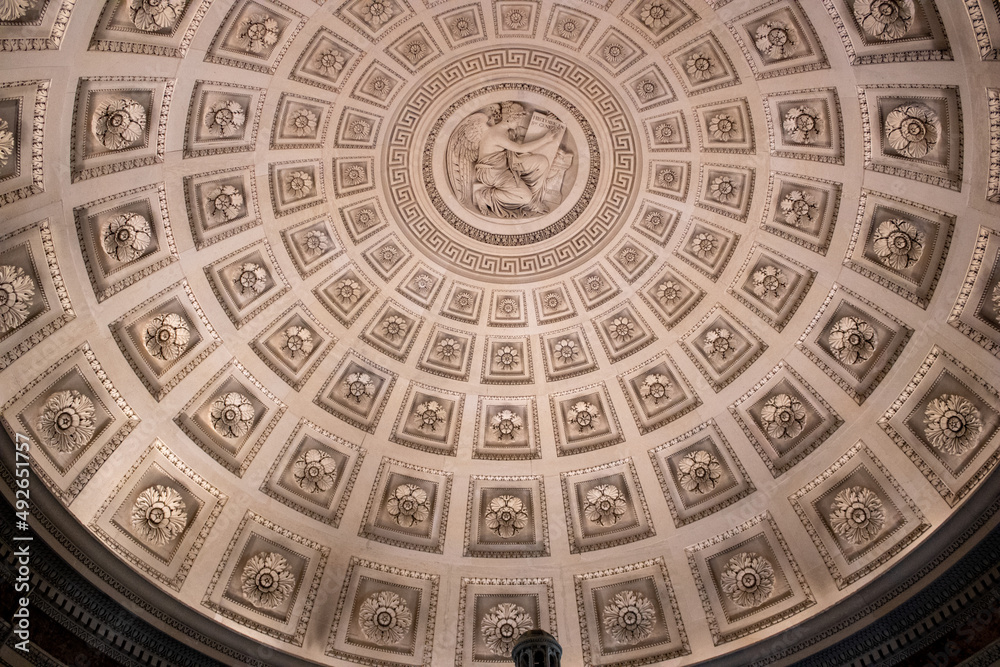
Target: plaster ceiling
x=383, y=331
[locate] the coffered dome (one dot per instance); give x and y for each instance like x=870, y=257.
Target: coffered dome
x=384, y=331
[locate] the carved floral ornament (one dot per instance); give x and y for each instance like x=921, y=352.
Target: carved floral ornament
x=798, y=207
x=613, y=53
x=266, y=581
x=515, y=19
x=225, y=118
x=913, y=129
x=12, y=10
x=503, y=625
x=803, y=124
x=448, y=349
x=506, y=516
x=408, y=506
x=384, y=618
x=605, y=505
x=378, y=12
x=429, y=414
x=17, y=291
x=315, y=243
x=662, y=132
x=898, y=244
x=258, y=33
x=565, y=350
x=167, y=336
x=952, y=424
x=252, y=278
x=417, y=49
x=232, y=415
x=699, y=471
x=159, y=514
x=701, y=67
x=857, y=514
x=853, y=340
x=654, y=387
x=884, y=19
x=394, y=327
x=359, y=385
x=704, y=244
x=67, y=421
x=748, y=579
x=769, y=281
x=462, y=27
x=622, y=329
x=723, y=189
x=225, y=202
x=783, y=416
x=330, y=62
x=507, y=357
x=347, y=290
x=296, y=340
x=126, y=237
x=719, y=343
x=315, y=471
x=6, y=142
x=155, y=15
x=669, y=291
x=118, y=124
x=303, y=122
x=505, y=424
x=723, y=127
x=629, y=617
x=776, y=39
x=584, y=415
x=299, y=183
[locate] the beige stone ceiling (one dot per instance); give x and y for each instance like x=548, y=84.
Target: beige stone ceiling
x=382, y=331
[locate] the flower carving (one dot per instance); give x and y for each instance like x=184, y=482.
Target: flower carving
x=464, y=301
x=232, y=415
x=266, y=581
x=299, y=183
x=119, y=123
x=316, y=243
x=798, y=207
x=67, y=422
x=655, y=387
x=605, y=505
x=506, y=516
x=449, y=349
x=416, y=50
x=704, y=244
x=656, y=15
x=347, y=290
x=613, y=53
x=379, y=86
x=663, y=132
x=167, y=336
x=225, y=118
x=668, y=291
x=723, y=189
x=462, y=27
x=568, y=29
x=646, y=89
x=408, y=505
x=17, y=290
x=126, y=237
x=912, y=129
x=853, y=340
x=719, y=343
x=251, y=278
x=358, y=130
x=629, y=617
x=803, y=125
x=857, y=514
x=506, y=424
x=384, y=618
x=769, y=281
x=622, y=329
x=565, y=350
x=666, y=177
x=783, y=416
x=159, y=514
x=315, y=471
x=629, y=256
x=699, y=471
x=12, y=10
x=258, y=33
x=297, y=340
x=884, y=19
x=359, y=385
x=303, y=122
x=952, y=424
x=701, y=67
x=503, y=625
x=585, y=415
x=330, y=62
x=515, y=19
x=153, y=15
x=776, y=39
x=387, y=254
x=723, y=127
x=394, y=327
x=225, y=203
x=748, y=579
x=898, y=244
x=429, y=415
x=377, y=12
x=508, y=306
x=365, y=218
x=6, y=142
x=354, y=174
x=507, y=357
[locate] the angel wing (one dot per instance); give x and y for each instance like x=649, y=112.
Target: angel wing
x=463, y=151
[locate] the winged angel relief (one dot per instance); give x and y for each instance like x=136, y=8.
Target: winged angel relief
x=507, y=165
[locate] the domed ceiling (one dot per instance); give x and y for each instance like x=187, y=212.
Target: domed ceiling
x=382, y=331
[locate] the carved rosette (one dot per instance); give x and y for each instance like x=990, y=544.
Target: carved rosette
x=748, y=579
x=266, y=581
x=384, y=618
x=503, y=625
x=167, y=336
x=699, y=472
x=506, y=516
x=629, y=617
x=952, y=424
x=408, y=506
x=783, y=416
x=126, y=237
x=67, y=421
x=159, y=514
x=315, y=471
x=857, y=515
x=852, y=340
x=605, y=505
x=232, y=415
x=17, y=290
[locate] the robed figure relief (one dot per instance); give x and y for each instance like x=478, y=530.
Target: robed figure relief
x=507, y=165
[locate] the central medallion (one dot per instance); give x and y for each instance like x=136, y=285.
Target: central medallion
x=511, y=160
